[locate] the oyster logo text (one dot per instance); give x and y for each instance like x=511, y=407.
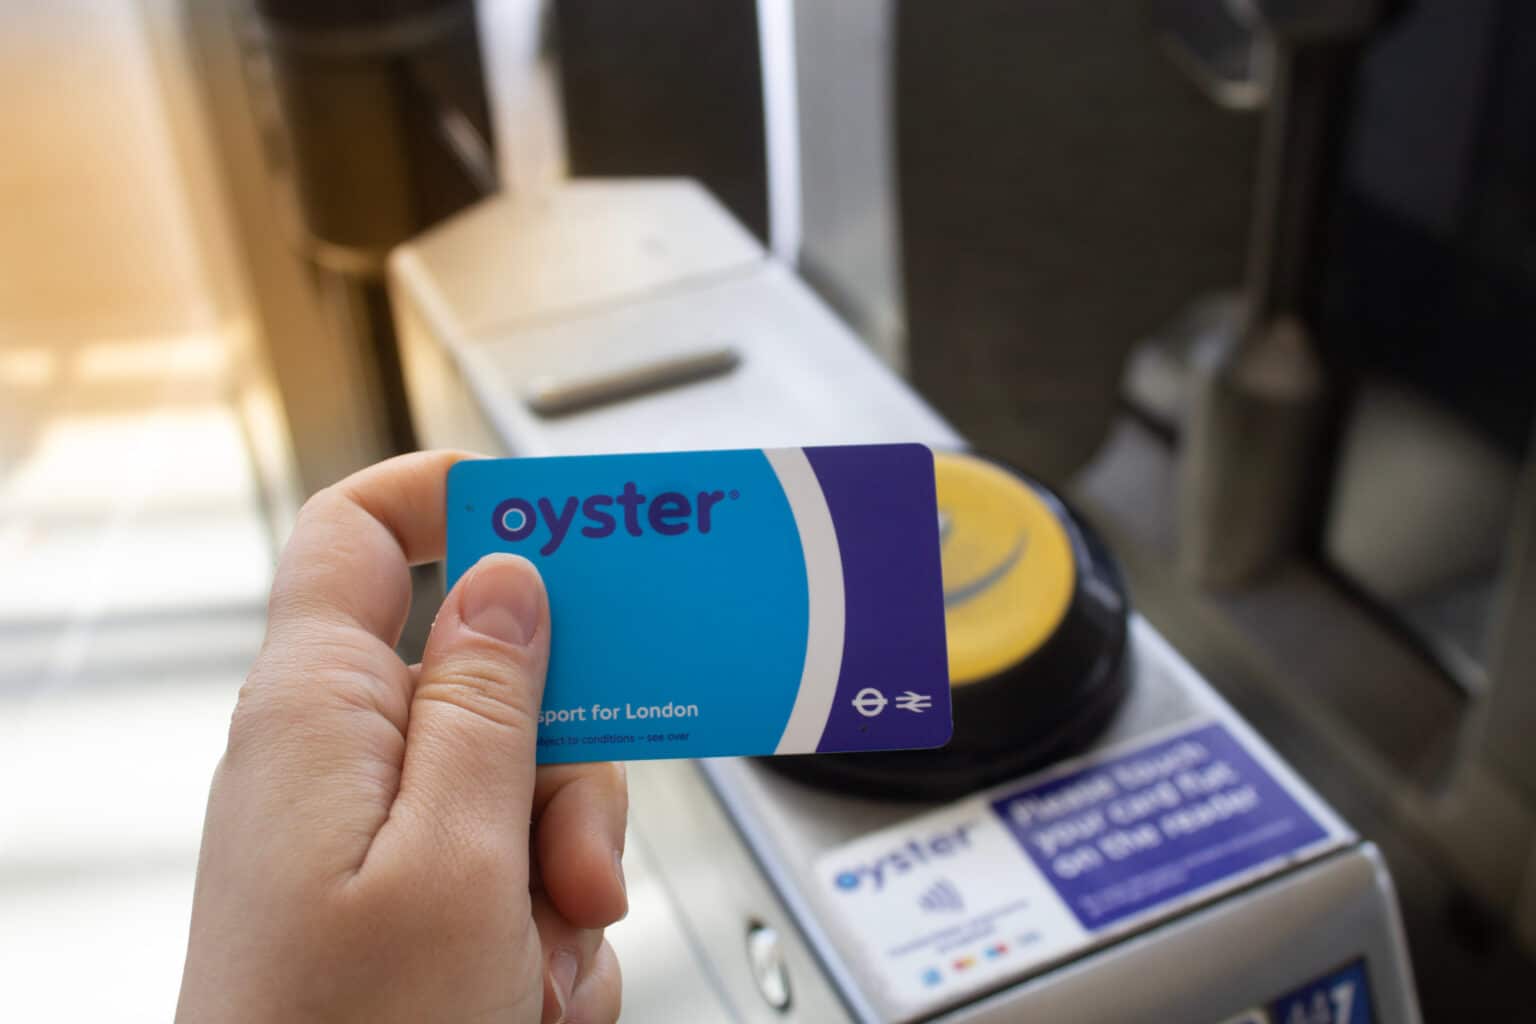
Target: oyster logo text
x=912, y=854
x=669, y=513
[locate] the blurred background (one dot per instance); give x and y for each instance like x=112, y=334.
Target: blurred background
x=1254, y=284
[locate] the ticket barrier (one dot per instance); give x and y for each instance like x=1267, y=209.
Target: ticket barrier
x=1170, y=868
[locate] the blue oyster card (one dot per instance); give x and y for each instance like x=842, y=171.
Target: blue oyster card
x=723, y=603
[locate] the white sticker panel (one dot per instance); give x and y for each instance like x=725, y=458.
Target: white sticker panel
x=947, y=905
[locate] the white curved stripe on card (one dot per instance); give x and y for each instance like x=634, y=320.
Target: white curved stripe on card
x=824, y=586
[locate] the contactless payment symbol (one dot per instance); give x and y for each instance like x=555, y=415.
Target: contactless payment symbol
x=869, y=702
x=941, y=896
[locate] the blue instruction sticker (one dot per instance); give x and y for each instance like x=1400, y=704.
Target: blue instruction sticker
x=1137, y=830
x=724, y=603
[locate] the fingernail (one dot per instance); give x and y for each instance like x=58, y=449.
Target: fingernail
x=618, y=869
x=562, y=978
x=501, y=599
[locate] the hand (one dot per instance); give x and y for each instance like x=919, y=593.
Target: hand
x=379, y=845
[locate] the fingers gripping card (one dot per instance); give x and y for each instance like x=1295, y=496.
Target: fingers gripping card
x=704, y=604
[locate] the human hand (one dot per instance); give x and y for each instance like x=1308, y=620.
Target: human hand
x=379, y=845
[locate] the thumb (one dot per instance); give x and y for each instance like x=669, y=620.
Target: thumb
x=470, y=741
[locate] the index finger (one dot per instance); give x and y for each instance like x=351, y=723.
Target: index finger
x=348, y=560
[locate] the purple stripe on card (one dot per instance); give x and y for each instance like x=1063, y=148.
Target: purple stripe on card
x=893, y=692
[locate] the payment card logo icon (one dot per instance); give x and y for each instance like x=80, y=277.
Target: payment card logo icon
x=941, y=897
